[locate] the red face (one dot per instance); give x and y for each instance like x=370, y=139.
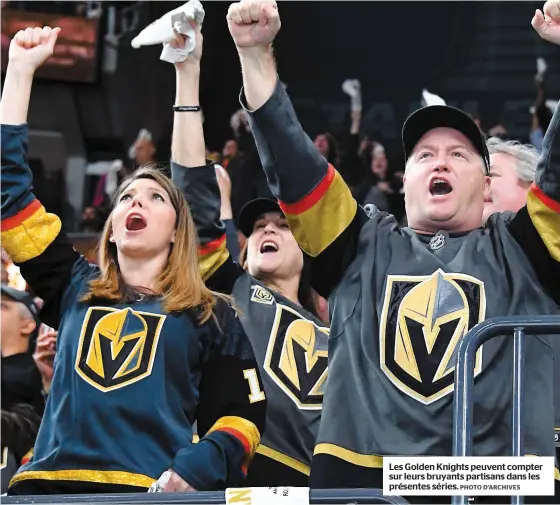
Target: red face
x=444, y=184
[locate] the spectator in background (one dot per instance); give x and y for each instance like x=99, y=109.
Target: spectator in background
x=5, y=274
x=229, y=152
x=240, y=158
x=541, y=113
x=143, y=150
x=344, y=155
x=21, y=380
x=20, y=425
x=512, y=171
x=380, y=187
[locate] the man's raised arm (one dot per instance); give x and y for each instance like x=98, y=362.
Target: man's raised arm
x=537, y=226
x=324, y=217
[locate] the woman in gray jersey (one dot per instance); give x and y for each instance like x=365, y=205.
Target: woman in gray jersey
x=269, y=290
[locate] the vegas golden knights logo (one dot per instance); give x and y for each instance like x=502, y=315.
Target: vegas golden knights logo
x=261, y=295
x=296, y=357
x=422, y=322
x=117, y=347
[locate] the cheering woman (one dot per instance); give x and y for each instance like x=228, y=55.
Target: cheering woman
x=144, y=349
x=269, y=288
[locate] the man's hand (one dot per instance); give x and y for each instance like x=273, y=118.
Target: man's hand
x=547, y=25
x=253, y=23
x=30, y=48
x=45, y=352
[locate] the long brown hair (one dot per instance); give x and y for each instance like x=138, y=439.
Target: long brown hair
x=180, y=283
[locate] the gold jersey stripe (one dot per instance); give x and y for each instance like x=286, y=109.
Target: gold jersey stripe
x=30, y=238
x=98, y=476
x=293, y=463
x=317, y=227
x=212, y=258
x=244, y=427
x=546, y=219
x=366, y=460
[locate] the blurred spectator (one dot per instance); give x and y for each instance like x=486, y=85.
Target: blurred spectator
x=241, y=159
x=541, y=116
x=380, y=187
x=20, y=425
x=5, y=274
x=21, y=380
x=229, y=152
x=513, y=167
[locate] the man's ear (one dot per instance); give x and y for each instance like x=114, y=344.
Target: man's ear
x=486, y=187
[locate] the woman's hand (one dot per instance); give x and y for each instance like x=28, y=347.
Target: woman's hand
x=30, y=48
x=193, y=60
x=176, y=484
x=170, y=482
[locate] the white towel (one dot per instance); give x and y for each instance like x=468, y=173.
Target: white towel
x=162, y=31
x=541, y=69
x=353, y=89
x=431, y=99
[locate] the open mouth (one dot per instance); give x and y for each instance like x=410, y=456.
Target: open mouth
x=440, y=187
x=135, y=222
x=269, y=247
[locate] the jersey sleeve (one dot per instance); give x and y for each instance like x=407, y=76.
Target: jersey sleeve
x=230, y=415
x=323, y=215
x=33, y=237
x=536, y=227
x=200, y=188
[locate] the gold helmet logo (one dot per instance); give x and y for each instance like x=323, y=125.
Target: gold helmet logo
x=296, y=357
x=117, y=347
x=117, y=330
x=428, y=318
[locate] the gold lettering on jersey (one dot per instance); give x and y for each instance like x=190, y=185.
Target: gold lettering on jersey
x=296, y=357
x=261, y=295
x=117, y=347
x=422, y=322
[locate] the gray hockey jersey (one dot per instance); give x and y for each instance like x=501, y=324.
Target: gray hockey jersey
x=401, y=302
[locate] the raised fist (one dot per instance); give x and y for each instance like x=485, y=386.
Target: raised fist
x=33, y=46
x=547, y=25
x=180, y=41
x=253, y=23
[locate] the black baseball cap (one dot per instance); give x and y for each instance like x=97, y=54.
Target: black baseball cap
x=254, y=209
x=22, y=297
x=438, y=116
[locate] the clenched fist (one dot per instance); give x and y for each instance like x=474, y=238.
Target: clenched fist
x=30, y=48
x=253, y=23
x=547, y=22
